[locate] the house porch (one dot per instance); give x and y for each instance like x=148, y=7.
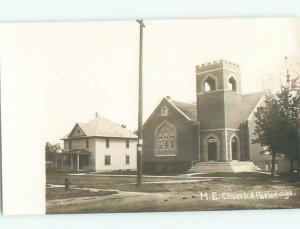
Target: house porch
x=73, y=160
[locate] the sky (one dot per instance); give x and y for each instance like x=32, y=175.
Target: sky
x=61, y=73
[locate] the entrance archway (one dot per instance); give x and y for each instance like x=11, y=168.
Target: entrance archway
x=234, y=148
x=212, y=149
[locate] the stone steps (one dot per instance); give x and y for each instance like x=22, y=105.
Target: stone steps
x=232, y=166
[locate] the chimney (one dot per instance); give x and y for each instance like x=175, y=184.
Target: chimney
x=168, y=97
x=96, y=115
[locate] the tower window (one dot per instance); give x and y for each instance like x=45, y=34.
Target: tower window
x=232, y=84
x=127, y=143
x=209, y=84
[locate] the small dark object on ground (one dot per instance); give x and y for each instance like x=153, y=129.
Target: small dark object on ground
x=67, y=183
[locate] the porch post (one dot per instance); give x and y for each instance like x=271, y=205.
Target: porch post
x=71, y=158
x=77, y=162
x=62, y=162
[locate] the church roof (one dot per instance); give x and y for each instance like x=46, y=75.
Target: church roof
x=189, y=109
x=250, y=101
x=102, y=127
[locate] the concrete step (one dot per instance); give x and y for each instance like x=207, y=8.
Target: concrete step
x=232, y=166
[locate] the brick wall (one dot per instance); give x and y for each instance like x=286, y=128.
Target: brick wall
x=187, y=141
x=210, y=107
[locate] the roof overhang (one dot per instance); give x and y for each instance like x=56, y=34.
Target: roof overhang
x=100, y=136
x=76, y=151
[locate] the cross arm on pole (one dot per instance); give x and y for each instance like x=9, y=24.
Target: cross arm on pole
x=141, y=23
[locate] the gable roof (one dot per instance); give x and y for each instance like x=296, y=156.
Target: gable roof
x=102, y=127
x=188, y=110
x=249, y=103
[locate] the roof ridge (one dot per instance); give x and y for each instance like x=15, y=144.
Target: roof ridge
x=102, y=126
x=178, y=109
x=253, y=93
x=177, y=101
x=178, y=105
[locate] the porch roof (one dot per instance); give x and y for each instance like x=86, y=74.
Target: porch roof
x=76, y=151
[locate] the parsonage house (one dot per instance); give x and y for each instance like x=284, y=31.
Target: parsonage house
x=98, y=145
x=214, y=134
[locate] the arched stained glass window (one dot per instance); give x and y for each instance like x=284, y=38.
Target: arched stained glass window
x=166, y=139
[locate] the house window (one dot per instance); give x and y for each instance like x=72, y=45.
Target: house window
x=164, y=111
x=107, y=160
x=70, y=144
x=78, y=131
x=87, y=143
x=127, y=143
x=232, y=84
x=209, y=84
x=107, y=142
x=127, y=159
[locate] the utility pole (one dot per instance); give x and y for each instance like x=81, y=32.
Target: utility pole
x=140, y=112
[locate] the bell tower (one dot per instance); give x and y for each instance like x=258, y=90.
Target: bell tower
x=218, y=89
x=223, y=74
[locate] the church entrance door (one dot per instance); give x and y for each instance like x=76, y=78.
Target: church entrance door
x=212, y=149
x=234, y=149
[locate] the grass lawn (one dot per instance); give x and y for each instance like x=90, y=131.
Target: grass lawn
x=120, y=183
x=61, y=193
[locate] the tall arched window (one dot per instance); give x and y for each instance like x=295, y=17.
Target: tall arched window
x=165, y=136
x=209, y=84
x=232, y=84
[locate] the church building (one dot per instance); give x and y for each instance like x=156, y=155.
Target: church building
x=213, y=134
